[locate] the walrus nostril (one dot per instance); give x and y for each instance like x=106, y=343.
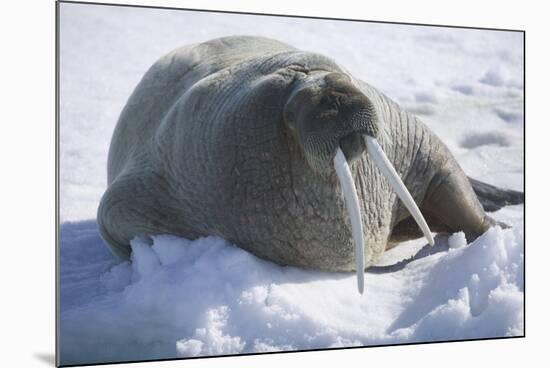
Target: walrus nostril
x=353, y=146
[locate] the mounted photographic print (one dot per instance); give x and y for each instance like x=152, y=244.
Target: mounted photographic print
x=236, y=183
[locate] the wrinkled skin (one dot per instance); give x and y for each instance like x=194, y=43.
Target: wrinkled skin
x=235, y=137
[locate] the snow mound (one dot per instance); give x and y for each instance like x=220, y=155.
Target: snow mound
x=457, y=240
x=182, y=298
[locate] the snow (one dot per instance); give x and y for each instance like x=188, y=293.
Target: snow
x=180, y=298
x=457, y=240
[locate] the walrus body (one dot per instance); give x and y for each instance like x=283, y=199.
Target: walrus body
x=218, y=139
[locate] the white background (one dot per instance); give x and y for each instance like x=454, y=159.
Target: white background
x=27, y=150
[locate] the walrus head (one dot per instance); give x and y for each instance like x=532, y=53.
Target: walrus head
x=334, y=124
x=327, y=111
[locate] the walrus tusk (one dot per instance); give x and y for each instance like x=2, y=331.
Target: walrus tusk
x=352, y=201
x=352, y=204
x=387, y=169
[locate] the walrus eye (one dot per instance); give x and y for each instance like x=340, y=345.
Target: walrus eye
x=352, y=201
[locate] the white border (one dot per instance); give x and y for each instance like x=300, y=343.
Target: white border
x=27, y=184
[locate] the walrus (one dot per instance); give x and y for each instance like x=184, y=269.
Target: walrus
x=252, y=140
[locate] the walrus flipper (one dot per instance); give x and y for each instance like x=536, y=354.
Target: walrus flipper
x=493, y=198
